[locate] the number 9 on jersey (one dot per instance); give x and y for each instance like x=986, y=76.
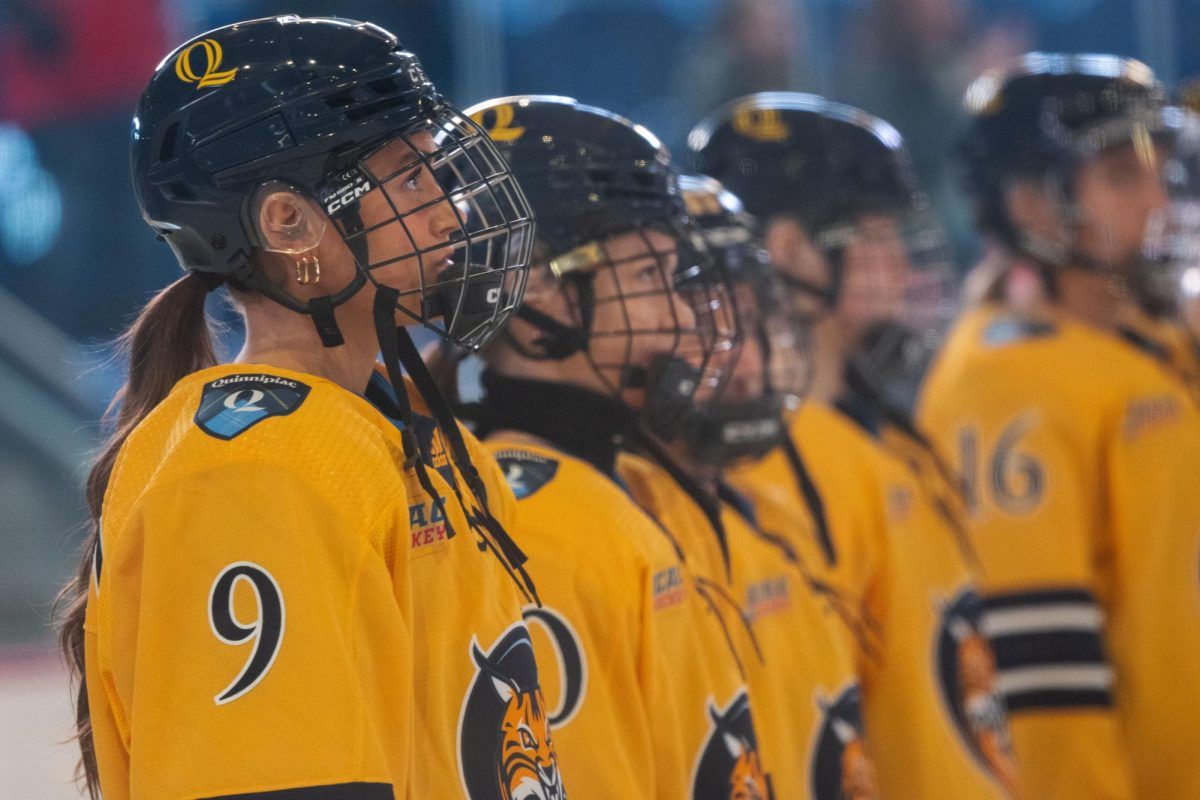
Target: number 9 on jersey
x=265, y=631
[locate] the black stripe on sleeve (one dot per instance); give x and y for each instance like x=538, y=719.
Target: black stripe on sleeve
x=1057, y=698
x=340, y=791
x=1038, y=598
x=1048, y=648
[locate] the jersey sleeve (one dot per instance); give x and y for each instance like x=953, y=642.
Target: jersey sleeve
x=249, y=635
x=1040, y=527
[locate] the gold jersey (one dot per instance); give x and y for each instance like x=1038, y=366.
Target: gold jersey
x=1080, y=457
x=796, y=657
x=892, y=554
x=249, y=626
x=641, y=670
x=482, y=727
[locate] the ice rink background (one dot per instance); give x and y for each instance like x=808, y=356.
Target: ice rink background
x=76, y=260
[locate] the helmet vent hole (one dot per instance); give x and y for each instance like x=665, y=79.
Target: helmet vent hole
x=339, y=100
x=178, y=190
x=364, y=110
x=602, y=176
x=166, y=150
x=383, y=86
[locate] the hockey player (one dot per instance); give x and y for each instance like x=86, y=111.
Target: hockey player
x=1079, y=452
x=1160, y=318
x=258, y=615
x=648, y=701
x=794, y=645
x=855, y=485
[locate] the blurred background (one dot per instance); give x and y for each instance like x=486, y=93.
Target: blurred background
x=76, y=260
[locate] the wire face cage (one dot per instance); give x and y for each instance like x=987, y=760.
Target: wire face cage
x=659, y=319
x=438, y=200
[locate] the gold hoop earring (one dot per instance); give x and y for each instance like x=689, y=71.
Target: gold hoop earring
x=308, y=270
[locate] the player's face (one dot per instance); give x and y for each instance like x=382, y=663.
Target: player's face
x=639, y=314
x=875, y=274
x=796, y=258
x=747, y=381
x=1117, y=192
x=409, y=217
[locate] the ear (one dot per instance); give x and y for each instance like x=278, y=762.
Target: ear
x=541, y=287
x=792, y=251
x=1033, y=210
x=288, y=222
x=734, y=745
x=504, y=689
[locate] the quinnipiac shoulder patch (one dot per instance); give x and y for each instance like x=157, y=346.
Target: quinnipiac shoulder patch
x=526, y=472
x=233, y=404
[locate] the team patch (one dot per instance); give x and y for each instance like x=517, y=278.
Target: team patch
x=966, y=669
x=729, y=767
x=1009, y=330
x=768, y=596
x=232, y=405
x=668, y=588
x=841, y=768
x=1145, y=413
x=526, y=472
x=504, y=746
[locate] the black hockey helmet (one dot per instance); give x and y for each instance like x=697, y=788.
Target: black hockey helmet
x=824, y=164
x=1041, y=119
x=592, y=175
x=876, y=254
x=305, y=102
x=772, y=368
x=802, y=155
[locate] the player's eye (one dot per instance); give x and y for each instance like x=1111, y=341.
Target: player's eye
x=412, y=181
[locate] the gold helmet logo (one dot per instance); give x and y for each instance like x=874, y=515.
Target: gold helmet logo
x=502, y=128
x=763, y=124
x=212, y=64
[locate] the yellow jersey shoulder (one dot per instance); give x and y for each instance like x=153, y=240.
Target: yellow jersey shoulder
x=240, y=415
x=560, y=495
x=1073, y=369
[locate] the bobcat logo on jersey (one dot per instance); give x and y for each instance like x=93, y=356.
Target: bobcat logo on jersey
x=729, y=767
x=572, y=666
x=505, y=750
x=841, y=768
x=966, y=672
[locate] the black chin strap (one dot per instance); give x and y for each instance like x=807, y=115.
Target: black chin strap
x=558, y=341
x=385, y=331
x=497, y=538
x=319, y=308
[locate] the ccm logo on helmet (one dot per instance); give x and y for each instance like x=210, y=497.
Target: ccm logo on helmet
x=212, y=76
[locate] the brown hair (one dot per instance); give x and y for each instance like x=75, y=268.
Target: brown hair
x=169, y=339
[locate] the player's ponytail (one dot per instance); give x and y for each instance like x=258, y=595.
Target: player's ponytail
x=169, y=339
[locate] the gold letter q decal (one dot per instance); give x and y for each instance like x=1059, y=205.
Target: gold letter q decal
x=212, y=62
x=502, y=128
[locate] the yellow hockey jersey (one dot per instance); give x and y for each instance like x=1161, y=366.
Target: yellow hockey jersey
x=639, y=667
x=892, y=556
x=482, y=727
x=1080, y=457
x=802, y=687
x=1168, y=342
x=249, y=626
